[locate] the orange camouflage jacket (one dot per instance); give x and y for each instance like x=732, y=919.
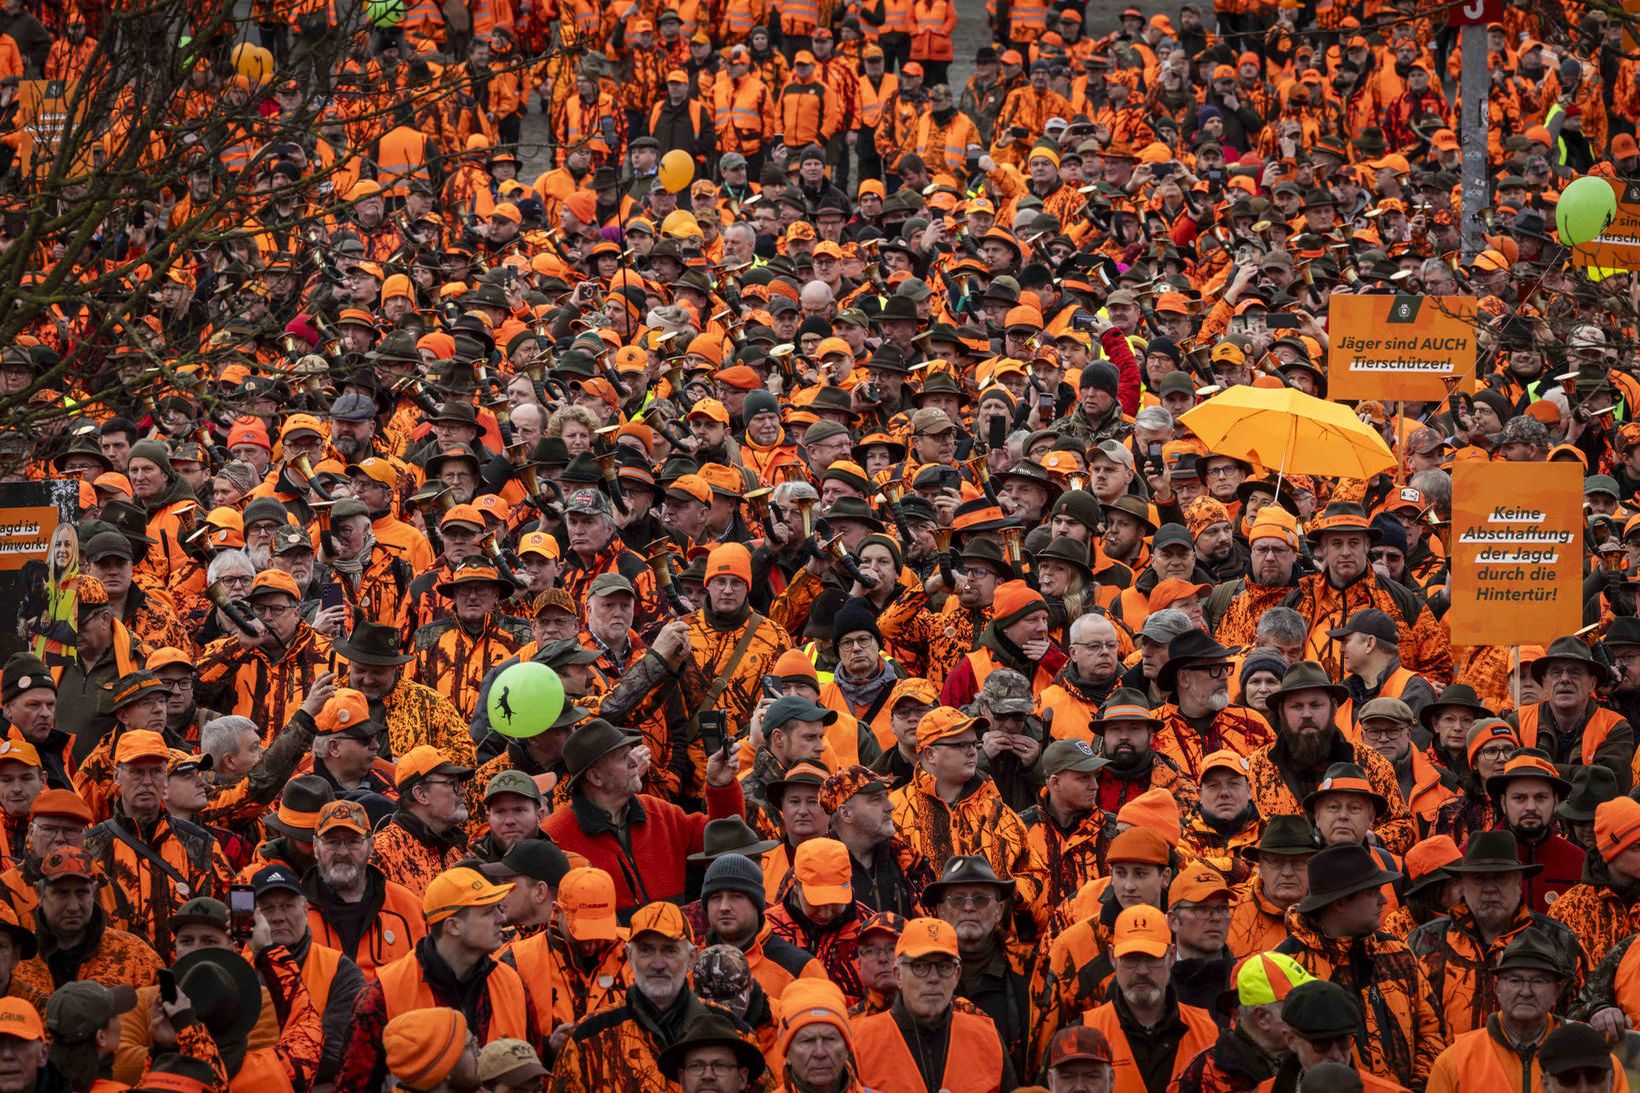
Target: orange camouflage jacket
x=1279, y=790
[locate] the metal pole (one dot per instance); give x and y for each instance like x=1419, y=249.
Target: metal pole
x=1474, y=86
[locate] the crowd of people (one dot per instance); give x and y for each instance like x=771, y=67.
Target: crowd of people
x=938, y=711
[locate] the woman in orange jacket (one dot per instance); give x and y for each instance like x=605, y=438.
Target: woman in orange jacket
x=932, y=24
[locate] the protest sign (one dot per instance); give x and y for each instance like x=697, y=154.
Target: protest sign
x=1516, y=549
x=1618, y=246
x=1398, y=348
x=32, y=515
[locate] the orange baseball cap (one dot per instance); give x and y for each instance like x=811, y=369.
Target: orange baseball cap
x=463, y=514
x=458, y=889
x=423, y=1047
x=13, y=750
x=168, y=656
x=1225, y=759
x=424, y=760
x=944, y=722
x=64, y=803
x=1197, y=884
x=379, y=471
x=825, y=872
x=345, y=709
x=347, y=815
x=661, y=918
x=711, y=409
x=275, y=580
x=540, y=543
x=1142, y=929
x=21, y=1020
x=586, y=895
x=141, y=744
x=927, y=937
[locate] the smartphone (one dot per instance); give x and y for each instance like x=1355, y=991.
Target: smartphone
x=714, y=726
x=331, y=595
x=241, y=910
x=1281, y=320
x=1154, y=454
x=773, y=687
x=1162, y=170
x=996, y=433
x=167, y=986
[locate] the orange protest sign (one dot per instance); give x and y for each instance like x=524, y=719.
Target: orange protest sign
x=1618, y=246
x=1517, y=554
x=1398, y=348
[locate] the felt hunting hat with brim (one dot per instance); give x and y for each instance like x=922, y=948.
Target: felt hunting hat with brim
x=455, y=412
x=224, y=989
x=711, y=1030
x=1340, y=871
x=1346, y=778
x=988, y=553
x=1460, y=695
x=1031, y=474
x=591, y=742
x=1068, y=551
x=1531, y=951
x=855, y=510
x=731, y=835
x=473, y=572
x=1343, y=516
x=1570, y=649
x=1137, y=508
x=297, y=813
x=1493, y=852
x=940, y=383
x=1306, y=675
x=136, y=686
x=981, y=514
x=967, y=869
x=1591, y=787
x=1191, y=649
x=1284, y=836
x=1124, y=705
x=373, y=643
x=1528, y=763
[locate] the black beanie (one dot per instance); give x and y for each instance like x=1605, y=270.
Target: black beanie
x=854, y=616
x=1099, y=375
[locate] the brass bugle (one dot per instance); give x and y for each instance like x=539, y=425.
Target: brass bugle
x=805, y=512
x=942, y=540
x=1010, y=543
x=759, y=499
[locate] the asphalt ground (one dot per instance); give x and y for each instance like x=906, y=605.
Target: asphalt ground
x=972, y=32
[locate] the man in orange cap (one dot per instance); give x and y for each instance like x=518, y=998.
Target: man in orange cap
x=618, y=1048
x=264, y=676
x=454, y=968
x=1144, y=957
x=153, y=864
x=959, y=1048
x=1016, y=638
x=74, y=927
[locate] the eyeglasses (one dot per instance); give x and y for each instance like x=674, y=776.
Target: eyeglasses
x=1097, y=646
x=979, y=901
x=864, y=641
x=937, y=969
x=974, y=572
x=440, y=782
x=272, y=610
x=1205, y=910
x=1528, y=982
x=186, y=683
x=697, y=1067
x=1583, y=1075
x=957, y=745
x=1213, y=671
x=1385, y=733
x=1501, y=754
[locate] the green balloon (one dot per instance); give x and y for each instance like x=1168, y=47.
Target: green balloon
x=525, y=699
x=384, y=13
x=1585, y=209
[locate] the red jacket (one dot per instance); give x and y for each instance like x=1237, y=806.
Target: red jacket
x=659, y=833
x=1562, y=862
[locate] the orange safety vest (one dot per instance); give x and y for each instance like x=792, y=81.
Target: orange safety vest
x=1200, y=1034
x=738, y=110
x=689, y=16
x=740, y=18
x=261, y=1072
x=391, y=936
x=1393, y=687
x=1027, y=19
x=319, y=973
x=897, y=17
x=404, y=988
x=983, y=664
x=973, y=1061
x=401, y=155
x=575, y=121
x=799, y=17
x=1072, y=718
x=1600, y=725
x=872, y=99
x=930, y=39
x=1626, y=983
